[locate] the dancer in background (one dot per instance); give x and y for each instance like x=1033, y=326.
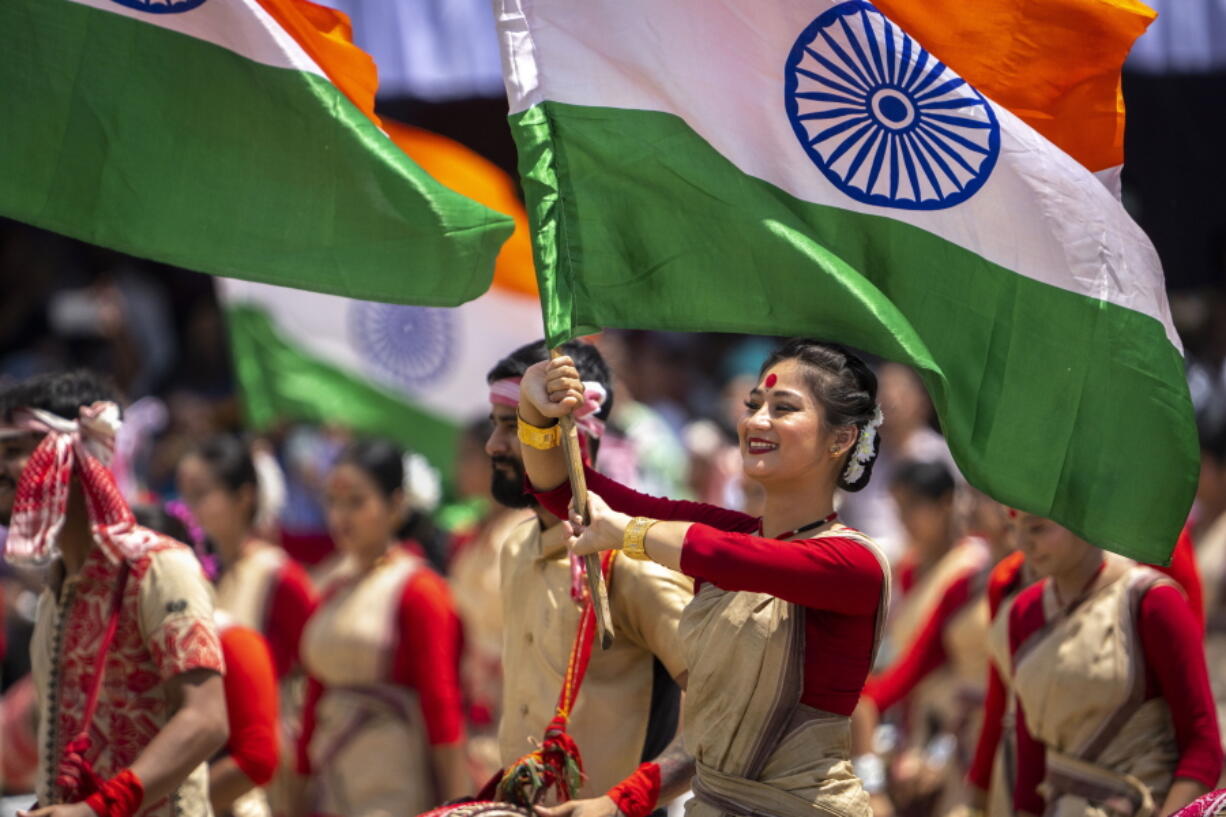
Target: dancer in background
x=1113, y=701
x=383, y=724
x=939, y=676
x=249, y=760
x=1207, y=530
x=259, y=585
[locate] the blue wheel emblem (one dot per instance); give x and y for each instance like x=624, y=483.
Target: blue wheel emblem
x=161, y=6
x=408, y=345
x=885, y=121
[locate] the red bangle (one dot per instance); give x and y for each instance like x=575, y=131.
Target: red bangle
x=120, y=796
x=638, y=794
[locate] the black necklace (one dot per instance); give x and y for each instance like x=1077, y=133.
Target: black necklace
x=789, y=534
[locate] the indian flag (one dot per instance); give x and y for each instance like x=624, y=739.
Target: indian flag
x=410, y=373
x=914, y=179
x=234, y=137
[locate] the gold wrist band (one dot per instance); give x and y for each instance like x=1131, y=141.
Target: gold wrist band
x=634, y=540
x=539, y=438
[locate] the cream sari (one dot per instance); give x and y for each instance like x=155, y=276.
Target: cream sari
x=760, y=752
x=369, y=752
x=1081, y=683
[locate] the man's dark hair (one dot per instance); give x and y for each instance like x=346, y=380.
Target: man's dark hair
x=62, y=394
x=587, y=359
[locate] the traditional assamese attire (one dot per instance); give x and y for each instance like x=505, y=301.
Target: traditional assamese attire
x=251, y=706
x=1112, y=695
x=992, y=766
x=948, y=654
x=1211, y=554
x=150, y=588
x=779, y=640
x=266, y=590
x=382, y=654
x=628, y=707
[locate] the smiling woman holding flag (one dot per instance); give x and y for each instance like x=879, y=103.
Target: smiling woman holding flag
x=788, y=607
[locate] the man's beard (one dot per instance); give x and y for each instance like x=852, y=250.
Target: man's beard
x=507, y=483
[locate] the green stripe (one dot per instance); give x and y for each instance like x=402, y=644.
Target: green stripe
x=129, y=136
x=281, y=382
x=1052, y=402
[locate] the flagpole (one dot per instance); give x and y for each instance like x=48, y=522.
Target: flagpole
x=591, y=562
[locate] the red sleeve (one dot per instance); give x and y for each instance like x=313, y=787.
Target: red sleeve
x=428, y=654
x=314, y=691
x=251, y=703
x=1025, y=618
x=626, y=500
x=293, y=602
x=1031, y=769
x=1175, y=661
x=836, y=574
x=1003, y=580
x=1183, y=570
x=925, y=653
x=980, y=773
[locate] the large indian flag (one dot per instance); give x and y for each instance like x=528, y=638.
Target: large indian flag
x=234, y=137
x=414, y=374
x=819, y=168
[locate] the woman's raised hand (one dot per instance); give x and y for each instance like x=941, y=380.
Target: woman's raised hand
x=552, y=387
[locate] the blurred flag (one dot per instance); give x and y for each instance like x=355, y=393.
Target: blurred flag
x=817, y=169
x=413, y=374
x=234, y=137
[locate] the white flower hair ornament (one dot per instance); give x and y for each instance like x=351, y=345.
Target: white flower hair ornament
x=423, y=487
x=862, y=454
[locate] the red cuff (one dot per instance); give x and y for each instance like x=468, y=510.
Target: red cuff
x=638, y=794
x=120, y=796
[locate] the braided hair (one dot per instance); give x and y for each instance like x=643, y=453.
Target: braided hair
x=845, y=387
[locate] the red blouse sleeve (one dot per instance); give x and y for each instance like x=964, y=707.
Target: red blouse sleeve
x=1183, y=570
x=251, y=703
x=314, y=691
x=1003, y=580
x=1175, y=661
x=925, y=653
x=835, y=574
x=293, y=602
x=980, y=773
x=1025, y=618
x=1031, y=769
x=627, y=500
x=428, y=655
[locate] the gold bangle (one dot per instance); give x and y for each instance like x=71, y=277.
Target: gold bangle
x=634, y=540
x=539, y=438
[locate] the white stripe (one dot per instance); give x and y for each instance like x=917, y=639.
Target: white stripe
x=720, y=66
x=240, y=26
x=482, y=332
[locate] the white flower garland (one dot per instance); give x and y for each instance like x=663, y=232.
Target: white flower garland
x=862, y=454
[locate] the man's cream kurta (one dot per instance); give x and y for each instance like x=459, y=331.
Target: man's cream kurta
x=610, y=718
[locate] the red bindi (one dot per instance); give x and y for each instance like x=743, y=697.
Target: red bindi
x=771, y=380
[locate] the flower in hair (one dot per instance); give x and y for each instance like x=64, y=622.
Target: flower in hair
x=862, y=454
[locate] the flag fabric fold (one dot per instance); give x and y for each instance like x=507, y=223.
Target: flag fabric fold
x=817, y=169
x=232, y=137
x=414, y=374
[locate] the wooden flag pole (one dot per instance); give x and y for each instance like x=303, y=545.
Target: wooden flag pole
x=591, y=562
